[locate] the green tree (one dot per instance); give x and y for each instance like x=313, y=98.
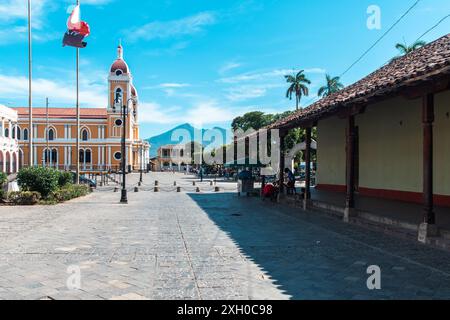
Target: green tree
x=298, y=86
x=332, y=85
x=252, y=120
x=405, y=49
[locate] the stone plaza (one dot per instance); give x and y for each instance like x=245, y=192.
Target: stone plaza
x=206, y=245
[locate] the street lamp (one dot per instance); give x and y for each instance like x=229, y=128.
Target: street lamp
x=141, y=153
x=124, y=114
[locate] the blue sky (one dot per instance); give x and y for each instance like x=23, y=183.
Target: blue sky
x=203, y=61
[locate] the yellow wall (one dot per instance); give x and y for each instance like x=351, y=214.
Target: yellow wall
x=442, y=144
x=390, y=146
x=331, y=151
x=390, y=136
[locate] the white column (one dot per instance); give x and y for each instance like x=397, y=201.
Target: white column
x=99, y=162
x=2, y=134
x=35, y=156
x=109, y=157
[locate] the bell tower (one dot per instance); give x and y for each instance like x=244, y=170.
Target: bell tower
x=119, y=83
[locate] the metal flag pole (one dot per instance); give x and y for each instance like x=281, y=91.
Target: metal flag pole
x=30, y=97
x=78, y=115
x=47, y=160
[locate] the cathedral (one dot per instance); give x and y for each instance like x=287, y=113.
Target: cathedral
x=101, y=129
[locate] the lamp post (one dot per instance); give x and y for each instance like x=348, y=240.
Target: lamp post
x=124, y=114
x=141, y=153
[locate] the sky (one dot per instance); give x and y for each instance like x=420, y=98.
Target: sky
x=203, y=62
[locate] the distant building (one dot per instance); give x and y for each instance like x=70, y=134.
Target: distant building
x=172, y=157
x=10, y=157
x=100, y=131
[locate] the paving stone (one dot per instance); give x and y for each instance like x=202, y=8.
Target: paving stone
x=189, y=246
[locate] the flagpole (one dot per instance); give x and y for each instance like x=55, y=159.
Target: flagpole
x=30, y=98
x=48, y=162
x=78, y=114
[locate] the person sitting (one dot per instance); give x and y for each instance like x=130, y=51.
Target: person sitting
x=270, y=191
x=290, y=185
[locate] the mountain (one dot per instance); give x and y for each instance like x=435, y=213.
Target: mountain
x=189, y=133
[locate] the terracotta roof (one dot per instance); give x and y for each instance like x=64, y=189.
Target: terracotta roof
x=133, y=91
x=66, y=113
x=430, y=63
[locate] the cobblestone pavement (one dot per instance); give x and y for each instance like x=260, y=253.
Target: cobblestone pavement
x=172, y=245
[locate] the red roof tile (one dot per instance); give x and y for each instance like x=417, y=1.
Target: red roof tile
x=427, y=64
x=66, y=113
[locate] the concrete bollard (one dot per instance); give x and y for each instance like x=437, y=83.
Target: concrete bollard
x=136, y=189
x=178, y=189
x=156, y=189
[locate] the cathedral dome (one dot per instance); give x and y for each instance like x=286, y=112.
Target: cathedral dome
x=119, y=66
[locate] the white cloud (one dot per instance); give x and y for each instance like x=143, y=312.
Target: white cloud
x=205, y=112
x=60, y=93
x=166, y=29
x=174, y=85
x=229, y=66
x=12, y=10
x=259, y=76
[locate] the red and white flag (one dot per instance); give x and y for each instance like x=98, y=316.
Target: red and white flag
x=74, y=23
x=77, y=30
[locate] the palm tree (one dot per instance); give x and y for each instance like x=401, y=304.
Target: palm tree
x=333, y=85
x=298, y=86
x=405, y=49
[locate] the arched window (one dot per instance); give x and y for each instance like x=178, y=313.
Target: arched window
x=13, y=133
x=6, y=132
x=81, y=156
x=118, y=96
x=85, y=135
x=119, y=72
x=25, y=134
x=54, y=156
x=51, y=134
x=19, y=133
x=88, y=156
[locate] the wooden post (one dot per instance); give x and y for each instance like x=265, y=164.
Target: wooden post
x=428, y=228
x=428, y=119
x=350, y=169
x=308, y=164
x=282, y=160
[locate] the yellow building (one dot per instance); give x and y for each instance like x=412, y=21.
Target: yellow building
x=100, y=130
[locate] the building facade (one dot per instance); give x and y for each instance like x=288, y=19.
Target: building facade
x=387, y=137
x=9, y=147
x=101, y=129
x=172, y=157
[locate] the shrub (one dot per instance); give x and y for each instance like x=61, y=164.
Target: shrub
x=24, y=198
x=65, y=178
x=39, y=179
x=3, y=178
x=70, y=192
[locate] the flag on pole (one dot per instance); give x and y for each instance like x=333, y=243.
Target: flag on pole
x=77, y=30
